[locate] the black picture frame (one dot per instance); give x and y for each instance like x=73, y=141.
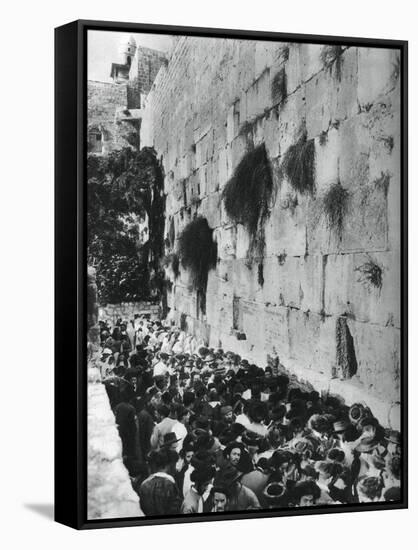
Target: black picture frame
x=71, y=270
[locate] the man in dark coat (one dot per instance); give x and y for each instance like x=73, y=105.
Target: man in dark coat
x=159, y=494
x=146, y=422
x=125, y=415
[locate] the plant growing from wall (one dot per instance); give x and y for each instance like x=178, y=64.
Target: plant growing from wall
x=331, y=56
x=248, y=193
x=299, y=164
x=371, y=274
x=335, y=205
x=346, y=355
x=198, y=251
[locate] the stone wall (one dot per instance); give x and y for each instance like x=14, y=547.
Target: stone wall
x=213, y=98
x=143, y=71
x=127, y=310
x=109, y=490
x=104, y=100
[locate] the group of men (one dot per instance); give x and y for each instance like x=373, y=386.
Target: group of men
x=204, y=430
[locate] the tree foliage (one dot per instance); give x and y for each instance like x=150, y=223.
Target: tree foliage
x=121, y=192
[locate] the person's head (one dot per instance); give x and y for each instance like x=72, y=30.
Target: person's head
x=183, y=414
x=219, y=495
x=170, y=441
x=393, y=440
x=305, y=493
x=369, y=488
x=336, y=455
x=369, y=426
x=308, y=473
x=202, y=478
x=163, y=411
x=188, y=455
x=163, y=460
x=233, y=453
x=227, y=414
x=328, y=471
x=393, y=494
x=234, y=456
x=154, y=398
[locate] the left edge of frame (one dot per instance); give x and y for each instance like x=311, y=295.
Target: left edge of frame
x=69, y=277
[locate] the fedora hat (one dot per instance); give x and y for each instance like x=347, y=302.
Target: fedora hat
x=366, y=444
x=393, y=436
x=227, y=476
x=357, y=412
x=251, y=439
x=273, y=493
x=169, y=439
x=203, y=474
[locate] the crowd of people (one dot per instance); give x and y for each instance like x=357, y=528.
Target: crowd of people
x=204, y=430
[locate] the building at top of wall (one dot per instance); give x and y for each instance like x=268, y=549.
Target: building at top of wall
x=114, y=108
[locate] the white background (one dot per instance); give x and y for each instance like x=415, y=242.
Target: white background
x=26, y=273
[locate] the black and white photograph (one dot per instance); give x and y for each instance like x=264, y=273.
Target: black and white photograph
x=244, y=272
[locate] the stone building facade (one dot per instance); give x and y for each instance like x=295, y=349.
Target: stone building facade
x=114, y=108
x=213, y=100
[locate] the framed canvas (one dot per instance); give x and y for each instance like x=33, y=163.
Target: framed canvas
x=231, y=274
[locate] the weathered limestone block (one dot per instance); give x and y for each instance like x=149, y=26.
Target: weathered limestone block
x=276, y=330
x=264, y=52
x=244, y=279
x=226, y=238
x=271, y=136
x=243, y=242
x=347, y=101
x=326, y=160
x=311, y=56
x=238, y=149
x=376, y=73
x=223, y=174
x=311, y=282
x=294, y=68
x=349, y=290
x=321, y=101
x=210, y=209
x=378, y=357
x=291, y=119
x=286, y=227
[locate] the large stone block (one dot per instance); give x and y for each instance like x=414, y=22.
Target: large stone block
x=294, y=68
x=327, y=160
x=378, y=356
x=321, y=103
x=271, y=135
x=354, y=289
x=347, y=102
x=286, y=226
x=311, y=60
x=376, y=73
x=226, y=237
x=210, y=209
x=243, y=242
x=291, y=119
